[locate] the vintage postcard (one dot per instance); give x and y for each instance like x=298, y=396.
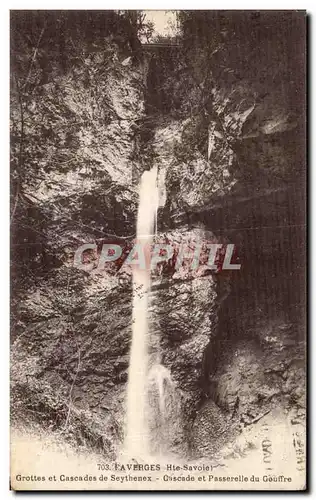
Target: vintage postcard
x=158, y=250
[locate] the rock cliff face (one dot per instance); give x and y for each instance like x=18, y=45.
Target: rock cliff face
x=225, y=128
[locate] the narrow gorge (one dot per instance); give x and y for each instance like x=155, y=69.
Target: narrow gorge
x=196, y=138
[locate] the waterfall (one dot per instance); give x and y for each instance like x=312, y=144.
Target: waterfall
x=160, y=377
x=137, y=432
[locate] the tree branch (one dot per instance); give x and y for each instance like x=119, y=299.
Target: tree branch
x=20, y=154
x=33, y=58
x=70, y=392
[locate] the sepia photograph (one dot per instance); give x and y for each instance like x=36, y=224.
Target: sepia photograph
x=158, y=250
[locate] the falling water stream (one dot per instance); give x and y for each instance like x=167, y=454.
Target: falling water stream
x=137, y=432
